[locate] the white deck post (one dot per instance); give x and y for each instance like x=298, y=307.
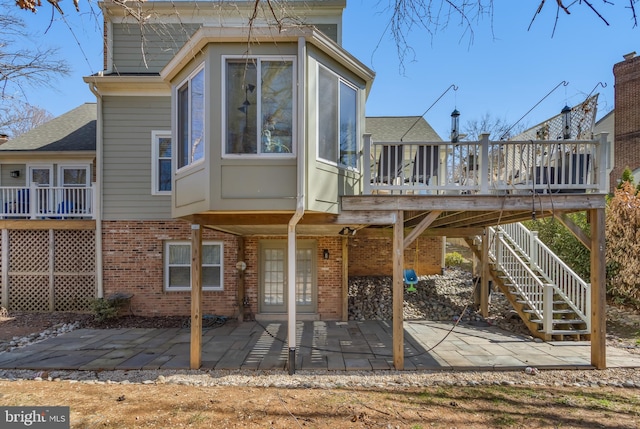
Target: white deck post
x=547, y=308
x=366, y=164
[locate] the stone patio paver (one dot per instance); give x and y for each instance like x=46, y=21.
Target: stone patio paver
x=322, y=345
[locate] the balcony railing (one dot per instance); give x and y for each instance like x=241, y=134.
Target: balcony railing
x=485, y=167
x=47, y=202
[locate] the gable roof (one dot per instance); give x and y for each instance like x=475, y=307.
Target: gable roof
x=72, y=131
x=400, y=128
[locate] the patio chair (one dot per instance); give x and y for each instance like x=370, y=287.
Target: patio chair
x=64, y=207
x=576, y=170
x=20, y=206
x=390, y=165
x=425, y=165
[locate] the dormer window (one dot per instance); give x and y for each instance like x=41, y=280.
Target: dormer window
x=190, y=97
x=259, y=106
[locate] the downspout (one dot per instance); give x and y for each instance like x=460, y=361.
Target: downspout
x=291, y=230
x=98, y=190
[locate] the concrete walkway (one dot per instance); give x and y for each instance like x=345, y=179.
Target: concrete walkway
x=321, y=345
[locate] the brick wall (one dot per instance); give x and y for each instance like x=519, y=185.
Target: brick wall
x=627, y=118
x=373, y=256
x=133, y=262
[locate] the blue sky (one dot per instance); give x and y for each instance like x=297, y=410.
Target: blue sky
x=504, y=71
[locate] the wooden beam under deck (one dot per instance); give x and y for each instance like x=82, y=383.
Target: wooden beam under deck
x=380, y=217
x=570, y=202
x=429, y=232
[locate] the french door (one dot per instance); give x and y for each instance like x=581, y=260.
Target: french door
x=273, y=276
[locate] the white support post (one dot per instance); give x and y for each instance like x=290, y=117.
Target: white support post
x=547, y=308
x=483, y=168
x=366, y=164
x=33, y=209
x=533, y=250
x=291, y=297
x=5, y=268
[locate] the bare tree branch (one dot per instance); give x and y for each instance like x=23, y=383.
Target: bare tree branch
x=22, y=63
x=17, y=117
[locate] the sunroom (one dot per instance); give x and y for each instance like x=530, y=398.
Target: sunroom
x=255, y=123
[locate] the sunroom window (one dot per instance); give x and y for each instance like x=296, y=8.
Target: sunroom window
x=259, y=106
x=337, y=119
x=190, y=99
x=178, y=266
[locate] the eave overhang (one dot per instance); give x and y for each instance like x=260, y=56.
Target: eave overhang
x=39, y=155
x=259, y=35
x=129, y=85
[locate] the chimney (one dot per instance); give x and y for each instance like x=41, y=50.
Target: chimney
x=629, y=56
x=3, y=138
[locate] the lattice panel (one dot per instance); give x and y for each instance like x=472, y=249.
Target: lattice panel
x=74, y=293
x=583, y=118
x=29, y=251
x=29, y=293
x=75, y=251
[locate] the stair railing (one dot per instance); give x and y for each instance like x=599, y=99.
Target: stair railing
x=519, y=275
x=543, y=265
x=570, y=287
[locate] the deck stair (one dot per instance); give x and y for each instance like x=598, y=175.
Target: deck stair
x=551, y=299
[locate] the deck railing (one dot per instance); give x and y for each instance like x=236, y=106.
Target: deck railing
x=485, y=167
x=47, y=202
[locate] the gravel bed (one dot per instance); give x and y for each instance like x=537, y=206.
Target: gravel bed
x=388, y=380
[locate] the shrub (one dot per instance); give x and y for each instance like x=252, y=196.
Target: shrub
x=454, y=259
x=109, y=308
x=104, y=309
x=564, y=244
x=623, y=255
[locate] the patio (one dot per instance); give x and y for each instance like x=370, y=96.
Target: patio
x=323, y=345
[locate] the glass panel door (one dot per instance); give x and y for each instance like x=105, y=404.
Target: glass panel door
x=41, y=177
x=273, y=285
x=273, y=278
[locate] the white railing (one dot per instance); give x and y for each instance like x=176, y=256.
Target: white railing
x=485, y=167
x=534, y=259
x=47, y=202
x=520, y=276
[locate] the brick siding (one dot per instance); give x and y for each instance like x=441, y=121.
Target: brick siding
x=133, y=263
x=373, y=256
x=627, y=118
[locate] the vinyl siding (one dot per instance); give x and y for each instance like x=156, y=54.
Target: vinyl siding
x=128, y=122
x=160, y=42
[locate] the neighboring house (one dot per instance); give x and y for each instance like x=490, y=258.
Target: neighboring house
x=606, y=125
x=47, y=212
x=627, y=119
x=247, y=151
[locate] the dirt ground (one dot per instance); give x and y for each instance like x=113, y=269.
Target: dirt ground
x=175, y=406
